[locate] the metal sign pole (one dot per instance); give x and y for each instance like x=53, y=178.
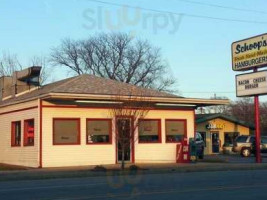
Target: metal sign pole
x=257, y=126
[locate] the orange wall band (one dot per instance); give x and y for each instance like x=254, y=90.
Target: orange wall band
x=19, y=110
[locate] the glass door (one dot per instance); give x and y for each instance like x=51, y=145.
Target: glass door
x=124, y=139
x=215, y=142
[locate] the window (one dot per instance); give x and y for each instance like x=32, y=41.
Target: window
x=66, y=131
x=149, y=130
x=203, y=135
x=230, y=137
x=15, y=133
x=29, y=132
x=252, y=139
x=99, y=131
x=175, y=130
x=264, y=140
x=242, y=139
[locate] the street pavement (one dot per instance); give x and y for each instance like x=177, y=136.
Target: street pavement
x=196, y=185
x=235, y=158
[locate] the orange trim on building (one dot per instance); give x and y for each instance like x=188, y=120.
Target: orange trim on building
x=159, y=131
x=41, y=134
x=101, y=107
x=110, y=130
x=178, y=120
x=132, y=141
x=25, y=136
x=13, y=134
x=19, y=110
x=78, y=129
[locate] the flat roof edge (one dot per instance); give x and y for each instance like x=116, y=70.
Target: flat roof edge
x=182, y=100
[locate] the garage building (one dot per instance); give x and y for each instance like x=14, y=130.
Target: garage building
x=220, y=130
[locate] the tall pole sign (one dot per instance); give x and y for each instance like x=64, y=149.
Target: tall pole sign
x=251, y=54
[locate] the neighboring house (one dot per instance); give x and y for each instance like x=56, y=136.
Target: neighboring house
x=219, y=129
x=68, y=123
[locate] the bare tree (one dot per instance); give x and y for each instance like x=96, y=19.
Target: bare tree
x=243, y=109
x=116, y=56
x=46, y=72
x=223, y=109
x=263, y=117
x=8, y=64
x=127, y=114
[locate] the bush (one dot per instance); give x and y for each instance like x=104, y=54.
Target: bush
x=134, y=167
x=99, y=168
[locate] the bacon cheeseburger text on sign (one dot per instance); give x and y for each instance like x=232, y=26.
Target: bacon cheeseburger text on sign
x=249, y=53
x=251, y=84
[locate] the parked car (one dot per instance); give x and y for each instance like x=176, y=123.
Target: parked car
x=263, y=145
x=227, y=148
x=245, y=145
x=200, y=145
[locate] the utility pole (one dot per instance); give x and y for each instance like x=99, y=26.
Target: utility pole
x=257, y=126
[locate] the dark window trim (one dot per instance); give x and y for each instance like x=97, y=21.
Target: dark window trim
x=110, y=130
x=205, y=138
x=24, y=132
x=229, y=132
x=13, y=134
x=79, y=131
x=159, y=131
x=178, y=120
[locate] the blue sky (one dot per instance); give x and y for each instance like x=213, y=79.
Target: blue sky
x=198, y=50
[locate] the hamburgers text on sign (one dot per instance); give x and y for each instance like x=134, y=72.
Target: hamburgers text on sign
x=249, y=53
x=251, y=84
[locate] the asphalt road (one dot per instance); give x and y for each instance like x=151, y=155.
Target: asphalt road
x=198, y=185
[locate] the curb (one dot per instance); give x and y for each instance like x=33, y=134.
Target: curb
x=56, y=174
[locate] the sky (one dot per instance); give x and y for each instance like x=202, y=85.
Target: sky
x=195, y=36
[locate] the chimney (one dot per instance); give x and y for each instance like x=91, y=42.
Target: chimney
x=21, y=81
x=5, y=87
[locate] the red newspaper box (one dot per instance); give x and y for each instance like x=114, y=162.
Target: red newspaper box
x=179, y=156
x=182, y=152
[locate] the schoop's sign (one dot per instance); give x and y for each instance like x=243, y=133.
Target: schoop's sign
x=249, y=53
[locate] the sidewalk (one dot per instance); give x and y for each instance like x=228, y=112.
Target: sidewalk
x=87, y=171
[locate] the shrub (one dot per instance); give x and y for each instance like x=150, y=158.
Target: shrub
x=99, y=168
x=134, y=167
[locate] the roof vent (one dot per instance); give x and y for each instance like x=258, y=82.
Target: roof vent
x=21, y=82
x=30, y=75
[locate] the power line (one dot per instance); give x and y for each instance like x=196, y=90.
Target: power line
x=180, y=14
x=223, y=7
x=230, y=92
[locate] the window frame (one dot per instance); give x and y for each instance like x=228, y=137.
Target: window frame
x=159, y=132
x=110, y=131
x=79, y=131
x=204, y=138
x=176, y=120
x=24, y=132
x=232, y=133
x=13, y=134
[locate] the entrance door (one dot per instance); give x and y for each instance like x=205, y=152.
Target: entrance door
x=215, y=142
x=124, y=139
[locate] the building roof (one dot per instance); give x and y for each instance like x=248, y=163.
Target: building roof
x=206, y=117
x=89, y=84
